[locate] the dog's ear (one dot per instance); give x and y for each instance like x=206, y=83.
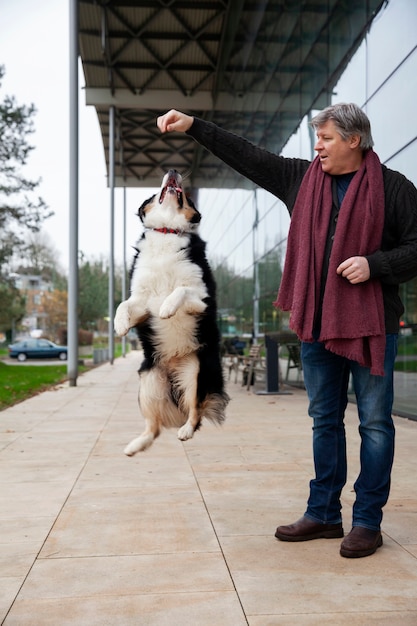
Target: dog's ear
x=196, y=218
x=142, y=209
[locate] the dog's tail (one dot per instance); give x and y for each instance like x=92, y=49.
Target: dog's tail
x=214, y=406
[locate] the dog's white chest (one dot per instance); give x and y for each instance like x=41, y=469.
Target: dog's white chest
x=169, y=288
x=163, y=265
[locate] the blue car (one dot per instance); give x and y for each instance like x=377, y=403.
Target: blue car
x=37, y=349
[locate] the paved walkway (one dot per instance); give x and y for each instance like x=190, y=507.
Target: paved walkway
x=182, y=534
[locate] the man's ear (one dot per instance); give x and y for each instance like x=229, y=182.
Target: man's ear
x=354, y=141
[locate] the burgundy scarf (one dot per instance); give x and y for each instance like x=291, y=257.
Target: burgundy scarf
x=353, y=315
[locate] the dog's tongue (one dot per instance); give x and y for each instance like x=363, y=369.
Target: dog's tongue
x=171, y=187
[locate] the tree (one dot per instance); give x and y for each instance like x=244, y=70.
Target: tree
x=12, y=306
x=235, y=294
x=20, y=211
x=93, y=302
x=234, y=298
x=55, y=305
x=270, y=272
x=92, y=293
x=41, y=260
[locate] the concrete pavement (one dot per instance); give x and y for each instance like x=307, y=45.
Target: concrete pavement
x=183, y=534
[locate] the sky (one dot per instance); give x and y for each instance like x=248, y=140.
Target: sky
x=34, y=40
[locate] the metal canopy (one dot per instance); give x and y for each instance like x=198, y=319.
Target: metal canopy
x=253, y=67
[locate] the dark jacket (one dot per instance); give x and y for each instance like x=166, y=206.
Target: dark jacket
x=394, y=263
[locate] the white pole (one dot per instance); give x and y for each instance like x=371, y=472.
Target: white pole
x=124, y=264
x=72, y=367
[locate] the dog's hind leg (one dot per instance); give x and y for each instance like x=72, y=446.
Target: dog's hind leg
x=187, y=431
x=187, y=383
x=142, y=442
x=150, y=401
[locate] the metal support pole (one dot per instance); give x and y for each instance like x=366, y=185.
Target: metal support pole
x=124, y=265
x=111, y=259
x=272, y=369
x=255, y=272
x=194, y=195
x=311, y=135
x=72, y=366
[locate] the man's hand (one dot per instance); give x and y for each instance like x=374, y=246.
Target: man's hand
x=355, y=269
x=174, y=120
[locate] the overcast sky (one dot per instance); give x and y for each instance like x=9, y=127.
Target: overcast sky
x=34, y=50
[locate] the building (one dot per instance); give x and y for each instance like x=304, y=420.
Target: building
x=381, y=77
x=33, y=287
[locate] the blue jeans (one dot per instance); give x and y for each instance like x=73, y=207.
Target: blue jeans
x=326, y=377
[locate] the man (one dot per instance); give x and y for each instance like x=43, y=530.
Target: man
x=352, y=241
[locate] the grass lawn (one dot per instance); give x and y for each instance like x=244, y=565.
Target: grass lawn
x=407, y=345
x=407, y=354
x=18, y=382
x=409, y=367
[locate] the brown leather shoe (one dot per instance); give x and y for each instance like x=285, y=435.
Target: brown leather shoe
x=306, y=529
x=360, y=542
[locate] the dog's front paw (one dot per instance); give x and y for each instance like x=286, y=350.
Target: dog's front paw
x=185, y=432
x=122, y=320
x=121, y=328
x=168, y=308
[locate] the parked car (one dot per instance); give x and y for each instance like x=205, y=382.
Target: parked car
x=37, y=349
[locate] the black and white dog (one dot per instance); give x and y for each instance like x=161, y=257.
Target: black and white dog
x=172, y=305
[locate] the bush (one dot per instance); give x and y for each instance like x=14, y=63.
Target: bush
x=85, y=337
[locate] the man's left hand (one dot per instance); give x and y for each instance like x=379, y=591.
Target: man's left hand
x=355, y=269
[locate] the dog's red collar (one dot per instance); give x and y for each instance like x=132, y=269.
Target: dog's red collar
x=172, y=231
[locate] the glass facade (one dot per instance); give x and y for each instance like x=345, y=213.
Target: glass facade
x=246, y=230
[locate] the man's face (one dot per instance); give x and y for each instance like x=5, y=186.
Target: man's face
x=337, y=155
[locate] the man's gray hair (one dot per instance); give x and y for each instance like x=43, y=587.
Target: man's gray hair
x=349, y=120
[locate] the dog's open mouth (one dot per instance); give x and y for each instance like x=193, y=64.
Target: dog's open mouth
x=172, y=186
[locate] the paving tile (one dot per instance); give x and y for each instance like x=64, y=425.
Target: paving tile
x=24, y=529
x=396, y=618
x=31, y=499
x=9, y=590
x=168, y=609
x=146, y=523
x=127, y=575
x=275, y=576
